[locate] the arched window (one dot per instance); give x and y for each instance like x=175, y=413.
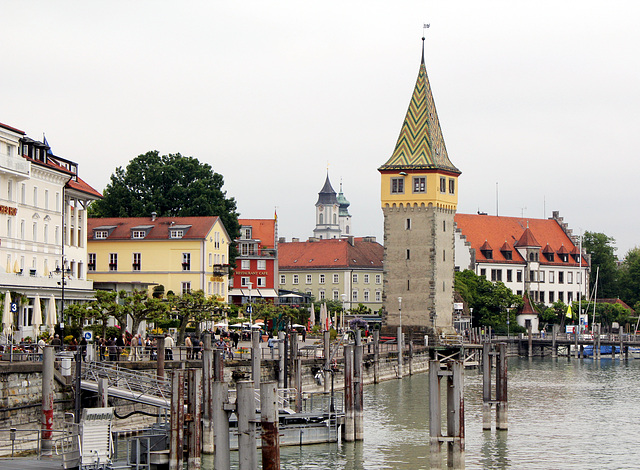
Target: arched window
x=321, y=218
x=335, y=219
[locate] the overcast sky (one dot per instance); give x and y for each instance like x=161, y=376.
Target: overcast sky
x=540, y=97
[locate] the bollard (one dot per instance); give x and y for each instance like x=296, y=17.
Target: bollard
x=48, y=395
x=376, y=356
x=486, y=386
x=296, y=360
x=220, y=417
x=194, y=412
x=530, y=342
x=501, y=387
x=269, y=421
x=176, y=437
x=255, y=358
x=218, y=365
x=246, y=411
x=554, y=339
x=160, y=361
x=207, y=377
x=358, y=393
x=103, y=393
x=400, y=340
x=349, y=432
x=410, y=357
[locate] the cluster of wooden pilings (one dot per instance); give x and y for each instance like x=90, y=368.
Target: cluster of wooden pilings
x=494, y=354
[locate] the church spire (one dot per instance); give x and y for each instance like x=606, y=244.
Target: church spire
x=420, y=145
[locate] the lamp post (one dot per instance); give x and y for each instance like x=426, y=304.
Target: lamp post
x=400, y=310
x=250, y=285
x=344, y=300
x=62, y=283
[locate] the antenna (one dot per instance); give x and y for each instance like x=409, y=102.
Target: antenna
x=497, y=199
x=425, y=26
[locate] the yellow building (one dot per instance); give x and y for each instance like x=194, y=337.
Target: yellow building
x=180, y=253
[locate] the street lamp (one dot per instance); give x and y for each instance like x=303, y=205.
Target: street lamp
x=400, y=311
x=63, y=272
x=344, y=300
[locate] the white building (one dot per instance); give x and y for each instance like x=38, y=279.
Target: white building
x=43, y=230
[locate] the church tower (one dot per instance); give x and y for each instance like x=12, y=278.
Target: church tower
x=327, y=213
x=344, y=218
x=419, y=195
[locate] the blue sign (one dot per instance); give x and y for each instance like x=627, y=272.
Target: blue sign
x=14, y=307
x=88, y=335
x=248, y=308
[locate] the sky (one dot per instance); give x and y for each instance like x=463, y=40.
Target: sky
x=538, y=100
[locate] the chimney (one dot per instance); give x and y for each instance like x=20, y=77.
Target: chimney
x=282, y=240
x=295, y=240
x=153, y=216
x=350, y=240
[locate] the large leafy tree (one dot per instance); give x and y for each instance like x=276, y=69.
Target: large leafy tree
x=602, y=250
x=630, y=277
x=194, y=307
x=169, y=185
x=140, y=306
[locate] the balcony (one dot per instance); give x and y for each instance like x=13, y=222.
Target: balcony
x=220, y=270
x=14, y=164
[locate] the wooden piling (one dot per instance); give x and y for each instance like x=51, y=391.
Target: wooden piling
x=269, y=421
x=554, y=341
x=326, y=345
x=410, y=357
x=207, y=394
x=296, y=361
x=194, y=411
x=530, y=341
x=160, y=357
x=220, y=417
x=48, y=395
x=176, y=437
x=486, y=386
x=455, y=414
x=358, y=393
x=435, y=409
x=281, y=358
x=103, y=393
x=218, y=365
x=501, y=387
x=348, y=434
x=255, y=358
x=246, y=411
x=376, y=356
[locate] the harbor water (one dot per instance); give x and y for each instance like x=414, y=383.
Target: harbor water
x=562, y=414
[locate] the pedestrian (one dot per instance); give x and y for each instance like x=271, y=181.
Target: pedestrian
x=197, y=347
x=112, y=347
x=189, y=347
x=83, y=348
x=168, y=347
x=304, y=335
x=120, y=344
x=56, y=342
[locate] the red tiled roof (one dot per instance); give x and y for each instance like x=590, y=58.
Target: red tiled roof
x=80, y=185
x=505, y=247
x=332, y=253
x=262, y=229
x=12, y=129
x=158, y=229
x=495, y=230
x=615, y=301
x=527, y=308
x=527, y=239
x=485, y=246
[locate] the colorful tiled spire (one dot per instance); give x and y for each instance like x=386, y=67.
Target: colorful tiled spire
x=420, y=144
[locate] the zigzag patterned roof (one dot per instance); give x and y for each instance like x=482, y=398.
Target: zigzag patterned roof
x=420, y=144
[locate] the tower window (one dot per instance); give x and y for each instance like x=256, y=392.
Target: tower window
x=397, y=185
x=443, y=184
x=419, y=184
x=408, y=254
x=452, y=186
x=407, y=224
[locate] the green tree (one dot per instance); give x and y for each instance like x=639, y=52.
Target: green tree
x=602, y=250
x=492, y=302
x=630, y=277
x=194, y=307
x=140, y=306
x=106, y=305
x=169, y=185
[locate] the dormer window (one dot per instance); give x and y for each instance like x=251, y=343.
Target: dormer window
x=486, y=250
x=506, y=251
x=100, y=234
x=138, y=234
x=176, y=233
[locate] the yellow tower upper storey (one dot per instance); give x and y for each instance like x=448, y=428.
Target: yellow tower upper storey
x=419, y=170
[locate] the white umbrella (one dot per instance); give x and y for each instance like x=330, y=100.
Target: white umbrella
x=236, y=325
x=37, y=317
x=259, y=325
x=52, y=316
x=297, y=325
x=222, y=325
x=7, y=316
x=323, y=318
x=312, y=315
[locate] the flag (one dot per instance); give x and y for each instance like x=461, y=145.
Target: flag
x=49, y=152
x=275, y=215
x=569, y=313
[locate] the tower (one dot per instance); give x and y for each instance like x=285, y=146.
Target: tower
x=419, y=187
x=327, y=213
x=344, y=218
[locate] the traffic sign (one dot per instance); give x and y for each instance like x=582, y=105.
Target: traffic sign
x=14, y=307
x=249, y=310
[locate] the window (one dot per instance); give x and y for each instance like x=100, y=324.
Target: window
x=176, y=234
x=45, y=233
x=366, y=296
x=366, y=279
x=295, y=279
x=246, y=233
x=542, y=296
x=378, y=296
x=508, y=255
x=541, y=278
x=551, y=297
x=579, y=278
x=34, y=231
x=561, y=296
x=91, y=265
x=113, y=261
x=283, y=279
x=186, y=287
x=336, y=278
x=136, y=261
x=100, y=234
x=496, y=275
x=452, y=186
x=46, y=199
x=397, y=185
x=444, y=255
x=419, y=184
x=58, y=209
x=519, y=293
x=262, y=281
x=321, y=278
x=35, y=196
x=407, y=224
x=378, y=278
x=57, y=235
x=22, y=229
x=569, y=277
x=569, y=296
x=186, y=261
x=408, y=254
x=354, y=296
x=23, y=193
x=245, y=264
x=210, y=259
x=262, y=264
x=551, y=277
x=9, y=227
x=336, y=295
x=309, y=279
x=533, y=276
x=519, y=275
x=443, y=184
x=354, y=278
x=509, y=275
x=9, y=190
x=483, y=272
x=560, y=277
x=321, y=295
x=138, y=234
x=244, y=281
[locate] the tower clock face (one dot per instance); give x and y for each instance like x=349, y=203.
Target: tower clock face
x=320, y=207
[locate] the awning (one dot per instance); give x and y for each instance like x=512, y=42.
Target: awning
x=255, y=293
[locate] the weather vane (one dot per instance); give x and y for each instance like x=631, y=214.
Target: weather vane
x=425, y=26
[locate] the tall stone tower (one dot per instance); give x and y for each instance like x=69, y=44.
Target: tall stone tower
x=419, y=195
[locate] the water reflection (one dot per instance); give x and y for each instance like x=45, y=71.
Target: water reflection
x=562, y=414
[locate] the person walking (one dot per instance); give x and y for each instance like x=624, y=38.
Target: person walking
x=189, y=346
x=168, y=347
